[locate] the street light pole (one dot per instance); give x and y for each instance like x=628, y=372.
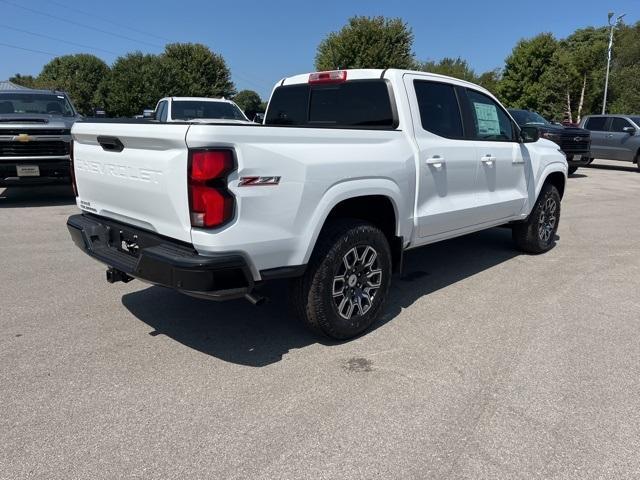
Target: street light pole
x=606, y=78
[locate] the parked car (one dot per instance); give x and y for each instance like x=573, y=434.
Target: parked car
x=191, y=109
x=35, y=137
x=614, y=137
x=350, y=170
x=573, y=141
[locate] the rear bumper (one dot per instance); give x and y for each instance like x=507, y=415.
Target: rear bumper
x=161, y=261
x=52, y=172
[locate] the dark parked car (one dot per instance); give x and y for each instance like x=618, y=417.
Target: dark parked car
x=575, y=142
x=35, y=137
x=614, y=137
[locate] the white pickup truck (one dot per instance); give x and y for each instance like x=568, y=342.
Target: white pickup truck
x=349, y=170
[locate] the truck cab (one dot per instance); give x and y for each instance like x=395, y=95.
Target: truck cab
x=198, y=109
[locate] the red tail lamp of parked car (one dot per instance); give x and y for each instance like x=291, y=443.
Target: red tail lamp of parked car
x=211, y=204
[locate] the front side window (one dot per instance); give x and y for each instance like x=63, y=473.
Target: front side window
x=618, y=124
x=490, y=122
x=596, y=124
x=352, y=104
x=439, y=109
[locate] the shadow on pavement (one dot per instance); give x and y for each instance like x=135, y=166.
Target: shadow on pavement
x=622, y=167
x=36, y=196
x=241, y=333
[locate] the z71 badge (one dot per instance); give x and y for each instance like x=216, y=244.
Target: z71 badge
x=258, y=181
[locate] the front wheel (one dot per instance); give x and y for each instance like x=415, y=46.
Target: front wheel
x=538, y=232
x=344, y=288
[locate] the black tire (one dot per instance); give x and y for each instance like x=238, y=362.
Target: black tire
x=572, y=169
x=312, y=295
x=638, y=160
x=536, y=234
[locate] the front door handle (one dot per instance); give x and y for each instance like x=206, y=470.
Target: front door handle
x=488, y=159
x=437, y=161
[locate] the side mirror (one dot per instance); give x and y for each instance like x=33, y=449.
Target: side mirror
x=529, y=134
x=148, y=113
x=629, y=130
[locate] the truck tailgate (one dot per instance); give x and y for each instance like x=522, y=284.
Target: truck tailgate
x=135, y=173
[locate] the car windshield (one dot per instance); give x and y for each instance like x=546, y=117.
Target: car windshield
x=635, y=120
x=525, y=117
x=38, y=103
x=194, y=109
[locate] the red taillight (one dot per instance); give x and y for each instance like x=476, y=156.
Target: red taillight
x=71, y=170
x=334, y=76
x=210, y=202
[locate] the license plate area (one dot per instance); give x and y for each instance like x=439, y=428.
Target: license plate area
x=28, y=170
x=124, y=241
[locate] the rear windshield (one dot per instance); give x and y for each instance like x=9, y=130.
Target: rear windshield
x=353, y=104
x=51, y=104
x=191, y=109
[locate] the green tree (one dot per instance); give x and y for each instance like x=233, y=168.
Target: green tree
x=367, y=42
x=136, y=82
x=520, y=86
x=78, y=75
x=490, y=80
x=28, y=81
x=194, y=70
x=625, y=71
x=249, y=101
x=587, y=49
x=452, y=67
x=560, y=86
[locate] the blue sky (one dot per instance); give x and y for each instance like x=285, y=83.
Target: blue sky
x=263, y=41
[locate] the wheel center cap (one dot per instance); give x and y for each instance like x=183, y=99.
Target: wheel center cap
x=352, y=280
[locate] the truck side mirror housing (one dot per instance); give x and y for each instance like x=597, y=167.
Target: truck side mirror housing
x=529, y=134
x=629, y=130
x=148, y=113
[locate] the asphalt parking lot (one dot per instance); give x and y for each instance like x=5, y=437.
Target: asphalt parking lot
x=487, y=364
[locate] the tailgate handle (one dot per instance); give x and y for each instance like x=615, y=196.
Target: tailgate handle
x=110, y=144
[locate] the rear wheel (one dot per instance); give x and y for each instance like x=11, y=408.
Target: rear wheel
x=537, y=233
x=344, y=289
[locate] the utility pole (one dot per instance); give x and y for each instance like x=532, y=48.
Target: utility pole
x=606, y=78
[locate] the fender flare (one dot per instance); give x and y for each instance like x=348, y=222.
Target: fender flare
x=345, y=190
x=548, y=170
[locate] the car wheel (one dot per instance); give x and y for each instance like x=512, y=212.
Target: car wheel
x=638, y=160
x=537, y=233
x=344, y=288
x=572, y=170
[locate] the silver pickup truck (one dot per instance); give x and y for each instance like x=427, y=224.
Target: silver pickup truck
x=35, y=137
x=614, y=137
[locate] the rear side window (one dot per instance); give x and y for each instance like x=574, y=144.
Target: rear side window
x=439, y=109
x=354, y=104
x=596, y=123
x=617, y=124
x=490, y=120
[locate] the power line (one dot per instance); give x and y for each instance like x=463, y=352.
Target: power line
x=107, y=20
x=78, y=24
x=28, y=49
x=57, y=39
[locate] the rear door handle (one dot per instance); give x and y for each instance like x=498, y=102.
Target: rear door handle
x=437, y=161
